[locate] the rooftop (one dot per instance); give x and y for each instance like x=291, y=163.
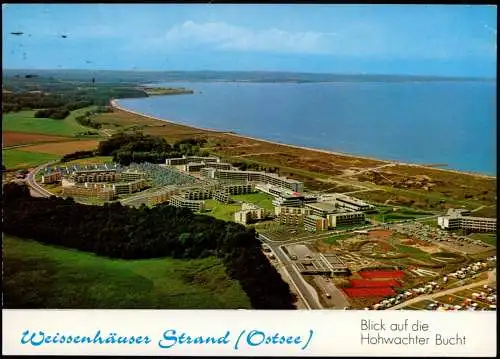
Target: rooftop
x=322, y=206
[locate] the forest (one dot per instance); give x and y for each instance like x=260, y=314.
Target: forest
x=136, y=147
x=118, y=231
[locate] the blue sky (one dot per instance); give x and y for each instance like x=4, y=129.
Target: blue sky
x=448, y=40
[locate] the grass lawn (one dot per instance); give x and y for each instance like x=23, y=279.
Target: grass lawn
x=42, y=276
x=412, y=251
x=24, y=121
x=261, y=199
x=15, y=159
x=221, y=210
x=335, y=239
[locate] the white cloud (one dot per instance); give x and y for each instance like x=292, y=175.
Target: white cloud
x=356, y=39
x=229, y=37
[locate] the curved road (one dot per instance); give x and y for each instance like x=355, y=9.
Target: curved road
x=310, y=300
x=36, y=189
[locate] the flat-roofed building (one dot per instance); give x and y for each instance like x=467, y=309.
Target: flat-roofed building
x=163, y=195
x=473, y=224
x=351, y=204
x=259, y=177
x=248, y=213
x=197, y=194
x=194, y=166
x=67, y=183
x=345, y=219
x=207, y=172
x=222, y=196
x=129, y=187
x=314, y=223
x=186, y=159
x=291, y=219
x=294, y=201
x=236, y=188
x=194, y=205
x=106, y=194
x=51, y=177
x=292, y=210
x=321, y=209
x=82, y=176
x=132, y=175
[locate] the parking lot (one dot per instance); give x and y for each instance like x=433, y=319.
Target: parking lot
x=446, y=240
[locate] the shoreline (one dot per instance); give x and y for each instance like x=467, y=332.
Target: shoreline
x=117, y=106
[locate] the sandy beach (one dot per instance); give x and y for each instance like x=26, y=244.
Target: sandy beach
x=117, y=106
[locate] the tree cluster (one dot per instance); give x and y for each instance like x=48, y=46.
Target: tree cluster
x=244, y=166
x=77, y=155
x=127, y=148
x=124, y=232
x=59, y=113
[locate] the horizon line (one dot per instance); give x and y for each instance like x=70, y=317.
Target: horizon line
x=258, y=71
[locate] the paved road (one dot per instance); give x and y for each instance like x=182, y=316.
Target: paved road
x=304, y=290
x=35, y=189
x=444, y=292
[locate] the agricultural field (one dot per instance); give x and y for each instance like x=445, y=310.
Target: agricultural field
x=263, y=200
x=10, y=139
x=24, y=121
x=17, y=159
x=62, y=148
x=221, y=210
x=42, y=276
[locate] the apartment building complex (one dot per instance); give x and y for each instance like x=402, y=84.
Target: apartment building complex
x=351, y=204
x=82, y=176
x=248, y=213
x=129, y=187
x=51, y=177
x=345, y=219
x=222, y=196
x=193, y=205
x=291, y=215
x=455, y=220
x=321, y=209
x=253, y=176
x=187, y=159
x=198, y=166
x=314, y=223
x=129, y=175
x=106, y=194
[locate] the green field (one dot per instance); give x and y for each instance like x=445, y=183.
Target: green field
x=15, y=159
x=335, y=239
x=24, y=121
x=221, y=210
x=386, y=214
x=261, y=199
x=413, y=252
x=42, y=276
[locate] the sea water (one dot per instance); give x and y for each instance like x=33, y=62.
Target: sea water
x=451, y=123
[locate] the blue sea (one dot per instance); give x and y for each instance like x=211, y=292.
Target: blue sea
x=418, y=122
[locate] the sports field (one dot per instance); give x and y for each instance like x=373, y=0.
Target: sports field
x=42, y=276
